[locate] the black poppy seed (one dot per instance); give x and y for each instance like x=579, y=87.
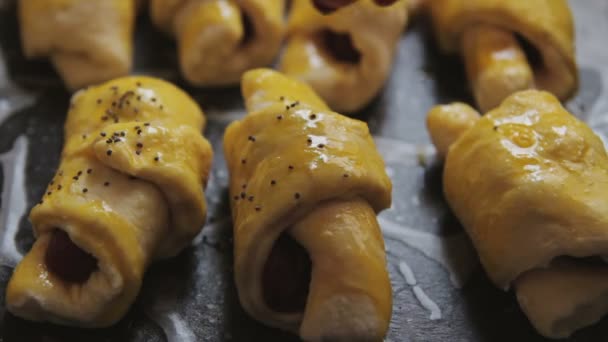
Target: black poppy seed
x=161, y=107
x=52, y=182
x=153, y=99
x=279, y=117
x=312, y=116
x=60, y=173
x=41, y=201
x=138, y=84
x=139, y=132
x=138, y=97
x=138, y=152
x=103, y=134
x=251, y=138
x=243, y=161
x=345, y=175
x=85, y=190
x=98, y=101
x=146, y=124
x=115, y=120
x=106, y=183
x=115, y=134
x=273, y=182
x=243, y=195
x=282, y=98
x=295, y=104
x=128, y=102
x=156, y=159
x=122, y=134
x=296, y=195
x=75, y=178
x=136, y=127
x=79, y=173
x=49, y=193
x=290, y=167
x=109, y=141
x=244, y=186
x=236, y=198
x=258, y=208
x=287, y=107
x=309, y=141
x=59, y=187
x=89, y=171
x=84, y=136
x=139, y=145
x=320, y=146
x=250, y=198
x=114, y=103
x=104, y=118
x=495, y=128
x=109, y=152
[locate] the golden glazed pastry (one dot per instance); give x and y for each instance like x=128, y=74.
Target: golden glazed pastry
x=346, y=56
x=128, y=191
x=88, y=41
x=528, y=181
x=218, y=40
x=493, y=35
x=306, y=184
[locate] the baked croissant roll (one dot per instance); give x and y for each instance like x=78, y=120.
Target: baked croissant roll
x=528, y=181
x=128, y=191
x=345, y=56
x=509, y=45
x=306, y=184
x=218, y=40
x=88, y=41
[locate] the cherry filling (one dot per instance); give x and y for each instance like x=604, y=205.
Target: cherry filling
x=327, y=6
x=340, y=46
x=66, y=260
x=535, y=59
x=248, y=29
x=286, y=276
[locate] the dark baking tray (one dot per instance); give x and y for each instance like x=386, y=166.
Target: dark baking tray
x=192, y=297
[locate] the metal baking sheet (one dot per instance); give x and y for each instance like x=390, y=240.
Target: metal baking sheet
x=192, y=297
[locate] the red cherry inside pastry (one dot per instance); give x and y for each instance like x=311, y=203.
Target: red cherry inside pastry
x=340, y=46
x=68, y=261
x=328, y=6
x=286, y=276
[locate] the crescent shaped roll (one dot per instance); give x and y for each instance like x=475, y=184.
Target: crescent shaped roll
x=88, y=41
x=345, y=56
x=306, y=184
x=218, y=40
x=128, y=191
x=528, y=181
x=486, y=33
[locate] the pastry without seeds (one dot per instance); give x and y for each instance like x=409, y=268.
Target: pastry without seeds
x=305, y=185
x=346, y=56
x=528, y=181
x=509, y=46
x=88, y=41
x=218, y=40
x=128, y=191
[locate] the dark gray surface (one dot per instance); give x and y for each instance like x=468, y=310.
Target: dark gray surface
x=192, y=297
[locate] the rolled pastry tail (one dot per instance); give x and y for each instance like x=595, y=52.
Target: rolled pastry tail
x=485, y=30
x=350, y=294
x=128, y=191
x=345, y=56
x=218, y=40
x=564, y=297
x=446, y=123
x=497, y=178
x=89, y=42
x=496, y=65
x=306, y=186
